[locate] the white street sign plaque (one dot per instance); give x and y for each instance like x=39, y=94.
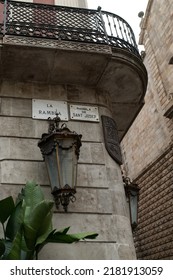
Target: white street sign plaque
x=44, y=109
x=84, y=113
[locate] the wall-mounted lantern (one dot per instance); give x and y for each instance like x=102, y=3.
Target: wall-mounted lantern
x=60, y=148
x=132, y=193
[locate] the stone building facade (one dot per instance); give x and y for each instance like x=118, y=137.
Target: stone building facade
x=70, y=3
x=147, y=147
x=86, y=71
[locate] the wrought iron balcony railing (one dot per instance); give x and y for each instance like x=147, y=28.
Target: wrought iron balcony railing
x=66, y=23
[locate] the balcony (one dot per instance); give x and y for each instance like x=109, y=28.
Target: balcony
x=56, y=44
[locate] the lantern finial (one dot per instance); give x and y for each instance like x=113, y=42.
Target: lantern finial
x=54, y=123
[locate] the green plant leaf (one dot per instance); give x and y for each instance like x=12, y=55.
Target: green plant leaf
x=38, y=214
x=2, y=248
x=20, y=196
x=60, y=237
x=30, y=236
x=29, y=225
x=45, y=229
x=8, y=245
x=15, y=252
x=64, y=230
x=6, y=208
x=39, y=246
x=84, y=235
x=33, y=227
x=15, y=221
x=27, y=211
x=33, y=194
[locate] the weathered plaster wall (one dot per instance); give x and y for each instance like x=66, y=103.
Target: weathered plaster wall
x=101, y=204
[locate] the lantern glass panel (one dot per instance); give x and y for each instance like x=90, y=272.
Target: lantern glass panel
x=53, y=169
x=67, y=159
x=62, y=164
x=133, y=206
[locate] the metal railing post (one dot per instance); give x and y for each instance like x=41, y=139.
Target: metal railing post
x=99, y=9
x=5, y=17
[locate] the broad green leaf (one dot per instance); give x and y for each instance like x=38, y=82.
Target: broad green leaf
x=20, y=196
x=41, y=245
x=15, y=252
x=29, y=227
x=39, y=220
x=15, y=221
x=33, y=194
x=27, y=211
x=8, y=246
x=59, y=237
x=29, y=255
x=6, y=208
x=30, y=236
x=84, y=235
x=45, y=229
x=23, y=243
x=2, y=248
x=64, y=230
x=38, y=214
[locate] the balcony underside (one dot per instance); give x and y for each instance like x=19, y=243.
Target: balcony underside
x=118, y=72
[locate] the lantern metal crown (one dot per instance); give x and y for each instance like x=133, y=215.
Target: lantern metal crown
x=60, y=148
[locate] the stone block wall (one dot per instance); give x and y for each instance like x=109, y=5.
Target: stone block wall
x=153, y=238
x=100, y=200
x=147, y=147
x=149, y=135
x=71, y=3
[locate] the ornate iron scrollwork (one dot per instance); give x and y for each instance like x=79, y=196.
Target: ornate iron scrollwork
x=64, y=196
x=67, y=23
